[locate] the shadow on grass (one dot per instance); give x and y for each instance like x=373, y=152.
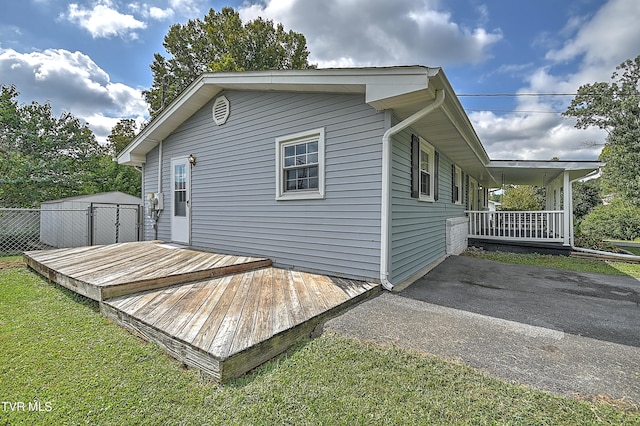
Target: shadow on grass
x=70, y=294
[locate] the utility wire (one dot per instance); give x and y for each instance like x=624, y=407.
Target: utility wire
x=515, y=110
x=512, y=95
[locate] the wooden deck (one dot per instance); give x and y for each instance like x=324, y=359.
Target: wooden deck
x=103, y=272
x=229, y=325
x=222, y=314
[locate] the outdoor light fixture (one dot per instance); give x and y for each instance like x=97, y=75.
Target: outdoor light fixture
x=192, y=160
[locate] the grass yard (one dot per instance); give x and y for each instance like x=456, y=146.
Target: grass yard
x=560, y=262
x=58, y=354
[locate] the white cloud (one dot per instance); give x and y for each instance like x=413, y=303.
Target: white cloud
x=71, y=81
x=613, y=33
x=535, y=136
x=189, y=8
x=596, y=46
x=378, y=32
x=104, y=21
x=160, y=14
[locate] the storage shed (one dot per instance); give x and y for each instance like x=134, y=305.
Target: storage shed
x=105, y=218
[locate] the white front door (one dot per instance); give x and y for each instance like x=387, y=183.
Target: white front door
x=181, y=200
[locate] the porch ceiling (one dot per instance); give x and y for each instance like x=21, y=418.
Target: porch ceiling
x=538, y=173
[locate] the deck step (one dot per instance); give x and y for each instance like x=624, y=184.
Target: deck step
x=104, y=272
x=229, y=325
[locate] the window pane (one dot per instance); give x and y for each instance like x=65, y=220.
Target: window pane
x=289, y=151
x=300, y=166
x=425, y=183
x=180, y=208
x=424, y=160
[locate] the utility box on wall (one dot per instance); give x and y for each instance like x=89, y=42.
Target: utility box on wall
x=457, y=235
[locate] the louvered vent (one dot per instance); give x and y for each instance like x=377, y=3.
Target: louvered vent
x=221, y=110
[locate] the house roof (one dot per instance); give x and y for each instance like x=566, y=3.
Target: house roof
x=540, y=173
x=404, y=90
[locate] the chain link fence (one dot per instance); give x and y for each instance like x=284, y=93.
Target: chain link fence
x=37, y=229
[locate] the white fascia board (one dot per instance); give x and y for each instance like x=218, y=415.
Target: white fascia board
x=185, y=105
x=546, y=164
x=377, y=84
x=130, y=159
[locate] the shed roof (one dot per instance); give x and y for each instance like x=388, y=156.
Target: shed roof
x=115, y=197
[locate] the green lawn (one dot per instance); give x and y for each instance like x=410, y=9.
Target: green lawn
x=56, y=349
x=560, y=262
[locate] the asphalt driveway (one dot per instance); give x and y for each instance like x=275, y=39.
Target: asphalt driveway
x=604, y=307
x=559, y=331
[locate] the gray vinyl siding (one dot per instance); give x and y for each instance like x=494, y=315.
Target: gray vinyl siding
x=233, y=206
x=417, y=227
x=150, y=184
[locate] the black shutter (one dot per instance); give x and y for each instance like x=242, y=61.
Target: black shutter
x=415, y=166
x=466, y=191
x=453, y=183
x=436, y=176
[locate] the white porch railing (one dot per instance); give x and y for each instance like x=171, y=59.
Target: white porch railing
x=517, y=225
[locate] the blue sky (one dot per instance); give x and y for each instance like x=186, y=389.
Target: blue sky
x=92, y=57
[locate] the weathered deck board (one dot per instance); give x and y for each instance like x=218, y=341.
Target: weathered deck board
x=241, y=320
x=103, y=272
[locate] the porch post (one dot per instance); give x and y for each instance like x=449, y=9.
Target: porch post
x=568, y=210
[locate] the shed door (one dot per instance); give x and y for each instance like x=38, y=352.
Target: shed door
x=180, y=197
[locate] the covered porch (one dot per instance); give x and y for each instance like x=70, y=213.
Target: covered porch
x=554, y=224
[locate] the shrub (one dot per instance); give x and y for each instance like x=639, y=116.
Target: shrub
x=595, y=243
x=619, y=220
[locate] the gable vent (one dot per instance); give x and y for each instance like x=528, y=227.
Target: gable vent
x=221, y=110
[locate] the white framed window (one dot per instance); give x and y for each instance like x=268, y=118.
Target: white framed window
x=427, y=171
x=457, y=185
x=300, y=166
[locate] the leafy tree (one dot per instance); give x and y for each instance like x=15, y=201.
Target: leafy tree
x=619, y=220
x=121, y=135
x=111, y=176
x=523, y=198
x=615, y=107
x=586, y=196
x=221, y=43
x=44, y=157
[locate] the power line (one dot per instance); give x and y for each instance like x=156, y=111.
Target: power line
x=513, y=95
x=515, y=110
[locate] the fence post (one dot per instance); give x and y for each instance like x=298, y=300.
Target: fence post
x=140, y=223
x=90, y=238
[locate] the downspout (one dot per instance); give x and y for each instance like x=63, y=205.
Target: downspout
x=157, y=213
x=386, y=184
x=160, y=166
